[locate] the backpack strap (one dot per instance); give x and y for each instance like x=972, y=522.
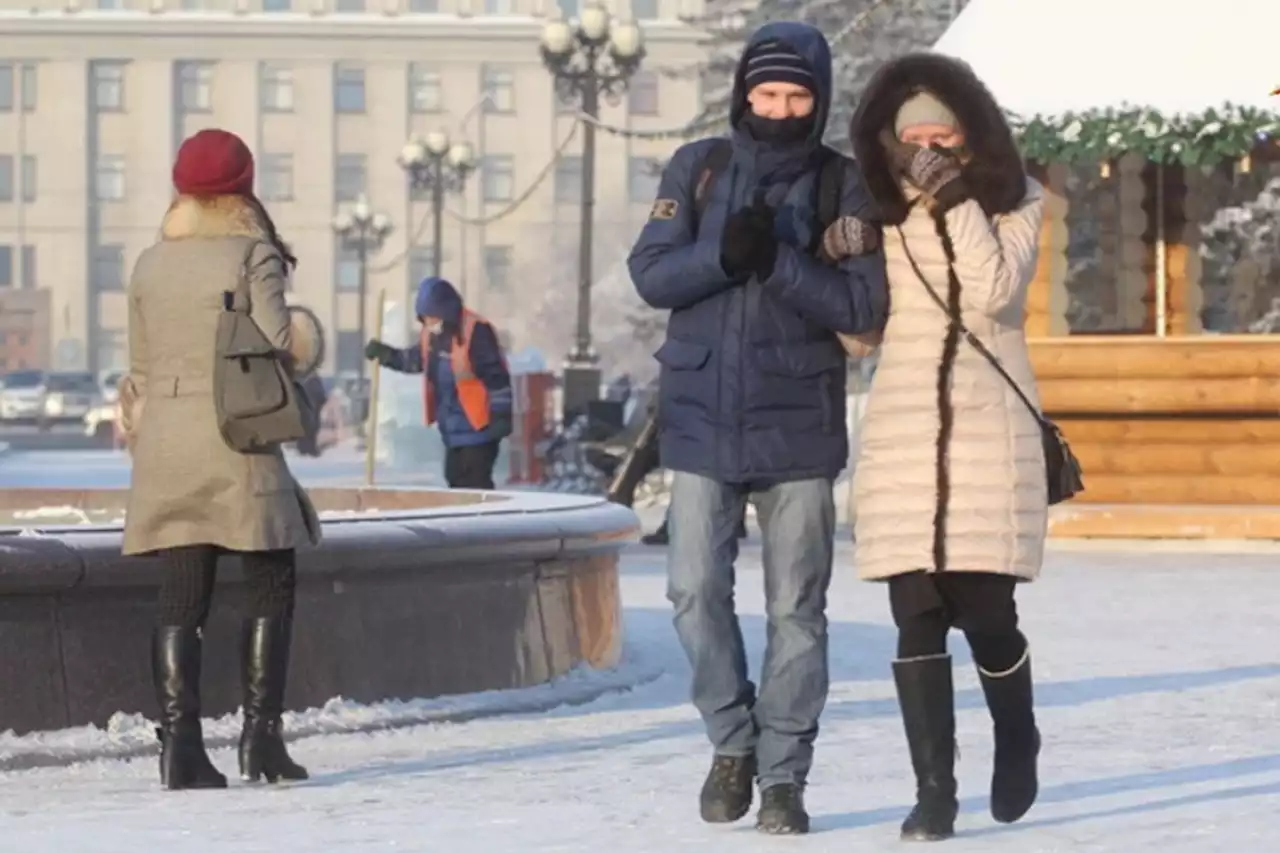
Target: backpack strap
x=714, y=162
x=830, y=188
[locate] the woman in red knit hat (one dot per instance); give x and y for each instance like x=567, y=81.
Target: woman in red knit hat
x=192, y=497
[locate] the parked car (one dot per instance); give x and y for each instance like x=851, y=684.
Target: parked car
x=22, y=396
x=68, y=397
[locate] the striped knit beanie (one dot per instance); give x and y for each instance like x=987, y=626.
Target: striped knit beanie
x=774, y=61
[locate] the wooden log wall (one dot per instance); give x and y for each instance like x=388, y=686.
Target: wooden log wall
x=1192, y=420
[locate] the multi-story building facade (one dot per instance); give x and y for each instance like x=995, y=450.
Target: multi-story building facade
x=96, y=96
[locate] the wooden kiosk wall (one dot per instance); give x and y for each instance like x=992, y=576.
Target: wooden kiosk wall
x=1179, y=436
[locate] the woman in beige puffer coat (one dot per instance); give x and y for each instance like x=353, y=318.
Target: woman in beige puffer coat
x=950, y=483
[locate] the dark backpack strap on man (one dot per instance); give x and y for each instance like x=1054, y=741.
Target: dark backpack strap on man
x=714, y=162
x=830, y=189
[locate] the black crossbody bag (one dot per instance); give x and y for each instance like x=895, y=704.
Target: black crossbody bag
x=1062, y=469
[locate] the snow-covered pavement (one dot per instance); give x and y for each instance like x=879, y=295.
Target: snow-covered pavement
x=1158, y=689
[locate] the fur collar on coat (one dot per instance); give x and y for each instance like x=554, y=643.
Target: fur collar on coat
x=995, y=175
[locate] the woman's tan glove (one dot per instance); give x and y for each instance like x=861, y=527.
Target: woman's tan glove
x=131, y=403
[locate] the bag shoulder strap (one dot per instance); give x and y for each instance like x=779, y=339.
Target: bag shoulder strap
x=239, y=300
x=714, y=162
x=969, y=336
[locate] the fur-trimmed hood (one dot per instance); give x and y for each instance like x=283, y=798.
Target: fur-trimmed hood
x=994, y=174
x=215, y=216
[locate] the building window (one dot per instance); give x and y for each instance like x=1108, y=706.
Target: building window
x=24, y=76
x=275, y=87
x=30, y=88
x=569, y=8
x=108, y=177
x=348, y=88
x=275, y=177
x=569, y=180
x=348, y=6
x=346, y=268
x=195, y=87
x=29, y=177
x=425, y=92
x=642, y=94
x=643, y=175
x=424, y=7
x=108, y=86
x=350, y=177
x=644, y=10
x=499, y=85
x=6, y=266
x=6, y=177
x=30, y=281
x=498, y=263
x=111, y=5
x=421, y=265
x=108, y=268
x=277, y=5
x=498, y=176
x=498, y=7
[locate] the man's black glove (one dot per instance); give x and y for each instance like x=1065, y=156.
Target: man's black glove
x=377, y=351
x=748, y=244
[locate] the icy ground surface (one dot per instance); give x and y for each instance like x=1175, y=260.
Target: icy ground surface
x=1158, y=689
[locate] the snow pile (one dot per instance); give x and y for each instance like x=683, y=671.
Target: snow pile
x=132, y=735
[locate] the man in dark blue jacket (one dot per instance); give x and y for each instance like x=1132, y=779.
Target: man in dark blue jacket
x=753, y=406
x=466, y=384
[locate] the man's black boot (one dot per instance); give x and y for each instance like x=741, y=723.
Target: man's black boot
x=176, y=655
x=1014, y=782
x=782, y=811
x=726, y=795
x=927, y=698
x=264, y=650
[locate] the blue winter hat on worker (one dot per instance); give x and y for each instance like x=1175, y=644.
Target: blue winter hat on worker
x=438, y=298
x=775, y=61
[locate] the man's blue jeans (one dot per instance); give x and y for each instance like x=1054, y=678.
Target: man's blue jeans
x=780, y=723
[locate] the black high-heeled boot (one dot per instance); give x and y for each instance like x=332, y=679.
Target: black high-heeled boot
x=264, y=662
x=927, y=697
x=176, y=655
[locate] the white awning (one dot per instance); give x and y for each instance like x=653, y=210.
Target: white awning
x=1049, y=57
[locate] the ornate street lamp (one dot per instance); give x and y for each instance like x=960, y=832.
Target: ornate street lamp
x=589, y=57
x=363, y=231
x=434, y=163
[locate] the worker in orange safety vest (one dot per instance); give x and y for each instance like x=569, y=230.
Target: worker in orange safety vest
x=466, y=384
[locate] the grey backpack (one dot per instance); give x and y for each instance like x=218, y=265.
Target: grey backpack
x=259, y=405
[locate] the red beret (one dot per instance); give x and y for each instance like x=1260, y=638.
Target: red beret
x=213, y=162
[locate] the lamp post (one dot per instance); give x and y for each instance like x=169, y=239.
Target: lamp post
x=435, y=163
x=591, y=56
x=363, y=231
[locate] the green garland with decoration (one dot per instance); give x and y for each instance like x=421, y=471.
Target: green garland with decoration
x=1206, y=139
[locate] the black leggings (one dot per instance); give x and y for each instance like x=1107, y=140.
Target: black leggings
x=186, y=589
x=927, y=605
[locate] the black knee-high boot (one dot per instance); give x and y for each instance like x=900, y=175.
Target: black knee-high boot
x=927, y=698
x=176, y=655
x=264, y=650
x=1014, y=780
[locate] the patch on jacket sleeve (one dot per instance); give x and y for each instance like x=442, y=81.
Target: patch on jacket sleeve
x=664, y=208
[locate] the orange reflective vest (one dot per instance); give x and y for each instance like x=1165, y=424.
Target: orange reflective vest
x=472, y=393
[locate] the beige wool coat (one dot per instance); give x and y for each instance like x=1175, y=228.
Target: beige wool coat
x=188, y=487
x=975, y=499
